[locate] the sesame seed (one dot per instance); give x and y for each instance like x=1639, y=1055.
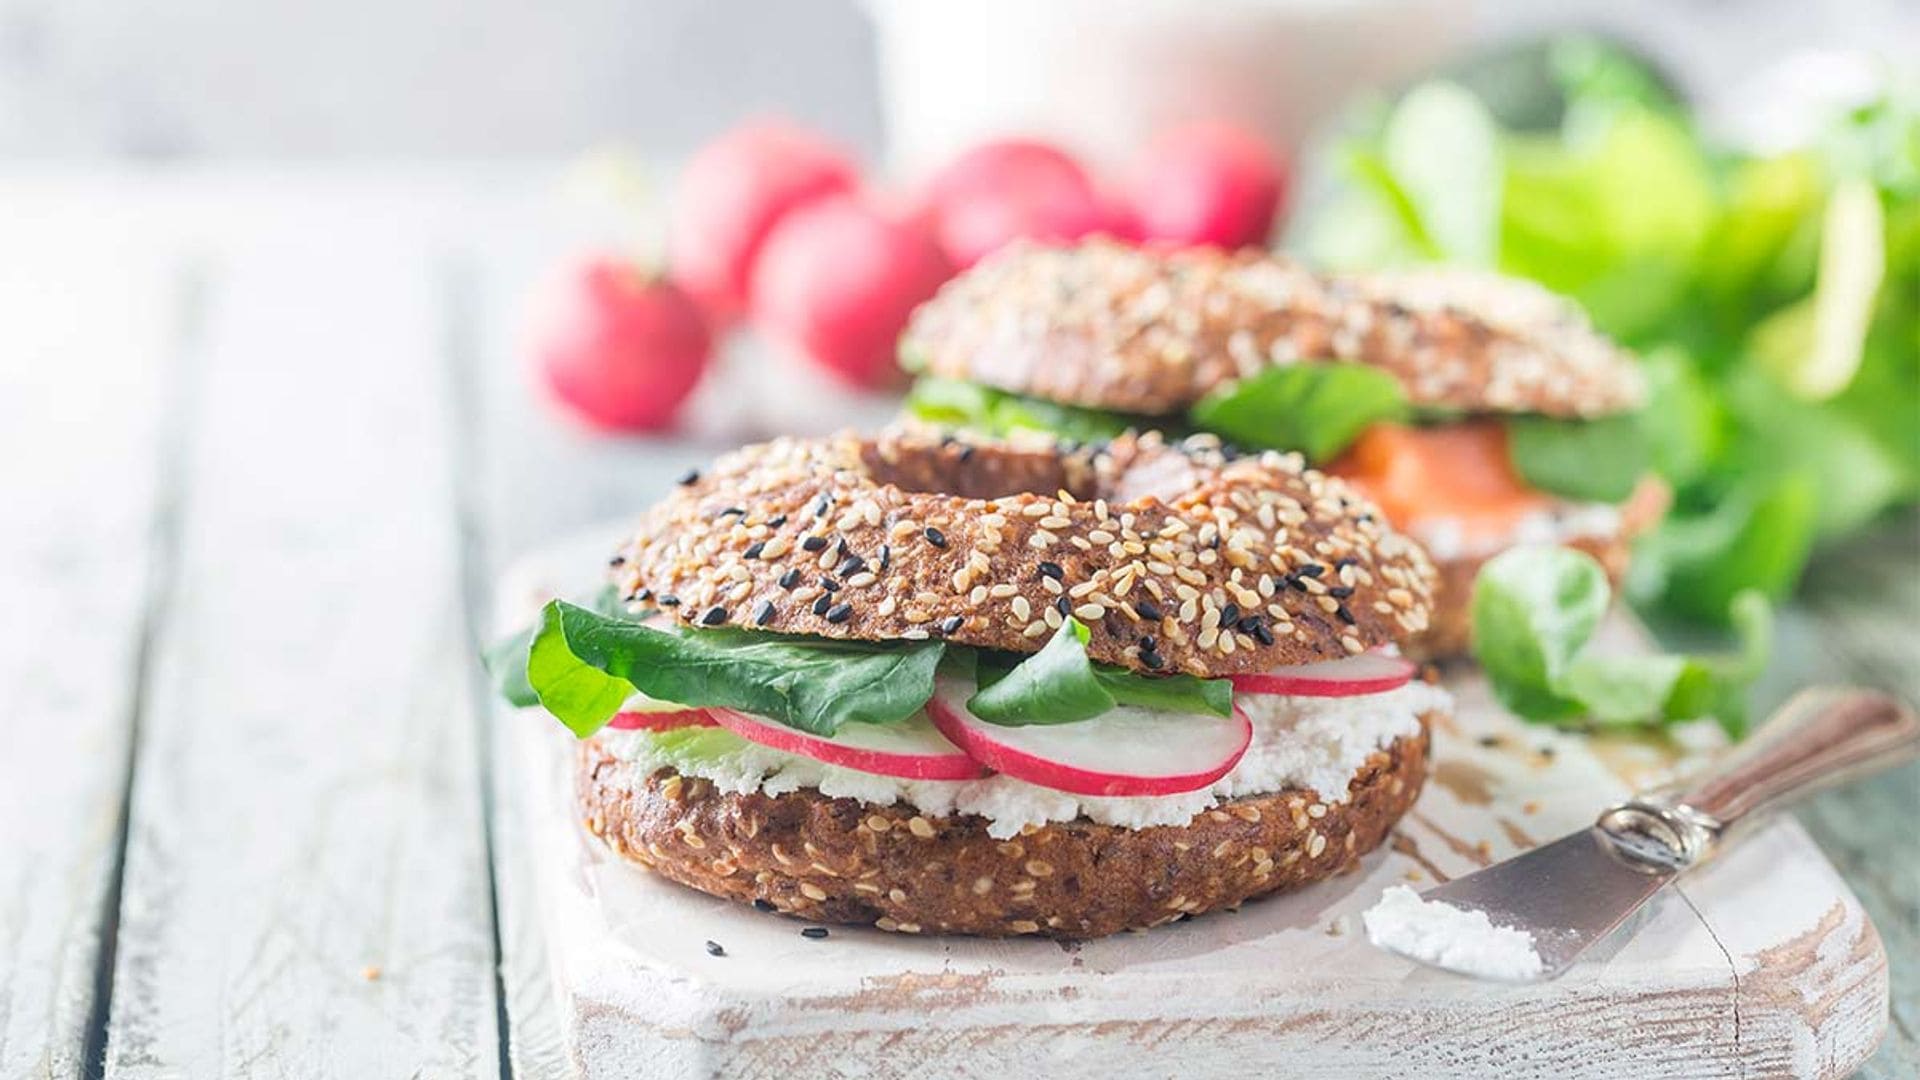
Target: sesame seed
x=714, y=616
x=669, y=600
x=1148, y=610
x=850, y=566
x=839, y=613
x=776, y=521
x=1063, y=605
x=789, y=579
x=829, y=584
x=762, y=905
x=1089, y=612
x=813, y=543
x=814, y=933
x=821, y=605
x=691, y=476
x=886, y=557
x=617, y=560
x=714, y=949
x=763, y=613
x=753, y=550
x=934, y=536
x=1052, y=570
x=862, y=579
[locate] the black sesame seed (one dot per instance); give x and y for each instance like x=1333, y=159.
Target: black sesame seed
x=617, y=560
x=642, y=596
x=934, y=536
x=1294, y=583
x=1345, y=615
x=886, y=557
x=731, y=511
x=754, y=549
x=839, y=613
x=1153, y=661
x=691, y=476
x=813, y=543
x=1246, y=623
x=814, y=933
x=966, y=454
x=714, y=949
x=762, y=905
x=1489, y=741
x=840, y=547
x=776, y=521
x=669, y=600
x=821, y=605
x=821, y=505
x=789, y=579
x=829, y=584
x=1148, y=643
x=1340, y=592
x=1052, y=570
x=714, y=616
x=763, y=613
x=1064, y=606
x=951, y=623
x=1311, y=570
x=1230, y=614
x=1261, y=634
x=850, y=566
x=1365, y=519
x=1345, y=561
x=1147, y=609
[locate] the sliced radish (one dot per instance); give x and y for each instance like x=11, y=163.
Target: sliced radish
x=1368, y=673
x=913, y=750
x=630, y=719
x=1127, y=751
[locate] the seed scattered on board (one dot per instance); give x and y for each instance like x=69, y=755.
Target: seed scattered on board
x=714, y=949
x=814, y=932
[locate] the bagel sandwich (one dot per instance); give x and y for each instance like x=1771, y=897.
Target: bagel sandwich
x=956, y=685
x=1479, y=412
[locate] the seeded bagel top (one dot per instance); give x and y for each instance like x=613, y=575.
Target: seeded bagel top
x=1177, y=557
x=1151, y=331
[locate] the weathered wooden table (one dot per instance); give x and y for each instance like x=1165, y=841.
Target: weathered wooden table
x=265, y=439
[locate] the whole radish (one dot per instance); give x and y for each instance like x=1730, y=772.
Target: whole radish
x=1011, y=189
x=733, y=192
x=1208, y=183
x=836, y=282
x=620, y=347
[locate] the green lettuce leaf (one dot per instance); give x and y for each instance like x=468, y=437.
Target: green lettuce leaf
x=956, y=403
x=583, y=665
x=1534, y=613
x=1060, y=684
x=1315, y=408
x=1589, y=460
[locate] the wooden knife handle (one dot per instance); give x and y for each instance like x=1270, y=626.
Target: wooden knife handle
x=1822, y=737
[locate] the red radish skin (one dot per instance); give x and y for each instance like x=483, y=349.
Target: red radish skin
x=1368, y=673
x=1008, y=190
x=622, y=349
x=913, y=751
x=1208, y=184
x=997, y=748
x=836, y=283
x=661, y=721
x=731, y=195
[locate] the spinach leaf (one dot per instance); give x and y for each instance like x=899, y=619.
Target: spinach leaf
x=1534, y=612
x=1590, y=460
x=1060, y=685
x=583, y=666
x=1315, y=408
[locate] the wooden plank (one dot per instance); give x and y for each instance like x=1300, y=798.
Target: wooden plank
x=306, y=891
x=1761, y=964
x=92, y=331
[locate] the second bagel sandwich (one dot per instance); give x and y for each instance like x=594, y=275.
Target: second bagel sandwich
x=1479, y=412
x=952, y=686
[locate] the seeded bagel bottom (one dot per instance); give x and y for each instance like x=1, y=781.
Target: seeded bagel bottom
x=840, y=860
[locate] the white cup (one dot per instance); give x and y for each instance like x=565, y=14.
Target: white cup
x=1102, y=76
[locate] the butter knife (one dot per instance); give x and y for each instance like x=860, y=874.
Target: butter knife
x=1564, y=897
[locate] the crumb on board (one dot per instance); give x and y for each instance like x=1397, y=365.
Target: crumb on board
x=371, y=972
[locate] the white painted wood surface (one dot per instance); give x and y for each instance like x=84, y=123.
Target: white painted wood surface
x=80, y=489
x=1761, y=964
x=306, y=881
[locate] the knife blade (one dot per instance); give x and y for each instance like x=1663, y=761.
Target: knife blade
x=1573, y=893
